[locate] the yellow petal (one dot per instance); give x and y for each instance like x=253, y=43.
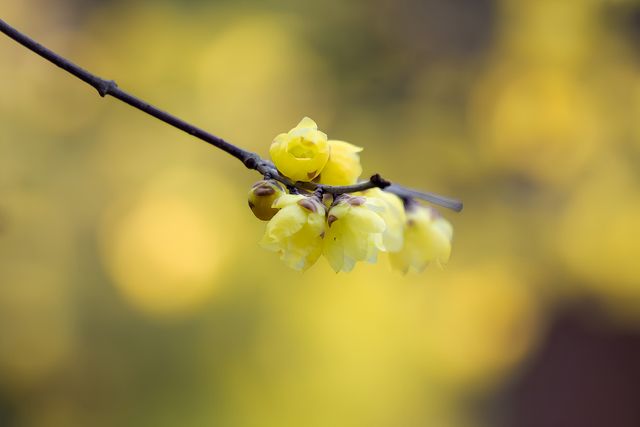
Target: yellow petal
x=305, y=123
x=343, y=166
x=366, y=221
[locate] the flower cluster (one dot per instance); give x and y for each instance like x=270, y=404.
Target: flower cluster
x=350, y=227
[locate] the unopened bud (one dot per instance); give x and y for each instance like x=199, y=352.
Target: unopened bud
x=262, y=196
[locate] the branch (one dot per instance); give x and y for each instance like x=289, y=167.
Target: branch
x=249, y=159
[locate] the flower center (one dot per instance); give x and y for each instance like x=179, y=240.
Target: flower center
x=301, y=148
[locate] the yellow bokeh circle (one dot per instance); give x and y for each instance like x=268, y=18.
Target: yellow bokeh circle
x=165, y=248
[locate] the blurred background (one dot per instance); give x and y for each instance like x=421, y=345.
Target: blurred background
x=133, y=291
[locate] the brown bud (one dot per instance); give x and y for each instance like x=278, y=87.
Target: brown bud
x=262, y=196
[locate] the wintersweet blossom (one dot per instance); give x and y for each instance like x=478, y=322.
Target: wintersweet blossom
x=427, y=238
x=344, y=228
x=343, y=167
x=302, y=153
x=262, y=196
x=354, y=232
x=296, y=230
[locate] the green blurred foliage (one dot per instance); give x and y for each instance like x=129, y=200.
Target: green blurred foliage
x=132, y=288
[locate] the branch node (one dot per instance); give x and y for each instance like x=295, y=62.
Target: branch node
x=105, y=87
x=379, y=181
x=252, y=161
x=319, y=192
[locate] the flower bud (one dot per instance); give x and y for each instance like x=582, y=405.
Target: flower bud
x=262, y=196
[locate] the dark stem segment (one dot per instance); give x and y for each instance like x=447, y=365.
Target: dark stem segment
x=249, y=159
x=376, y=181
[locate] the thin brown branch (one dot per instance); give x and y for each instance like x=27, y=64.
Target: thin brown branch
x=249, y=159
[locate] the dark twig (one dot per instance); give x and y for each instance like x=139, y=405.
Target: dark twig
x=249, y=159
x=445, y=202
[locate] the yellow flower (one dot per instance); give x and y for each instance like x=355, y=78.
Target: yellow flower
x=354, y=233
x=427, y=237
x=302, y=153
x=343, y=167
x=262, y=196
x=394, y=217
x=296, y=231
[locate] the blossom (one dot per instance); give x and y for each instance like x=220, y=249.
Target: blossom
x=296, y=231
x=427, y=237
x=394, y=217
x=262, y=196
x=344, y=228
x=354, y=232
x=343, y=167
x=302, y=153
